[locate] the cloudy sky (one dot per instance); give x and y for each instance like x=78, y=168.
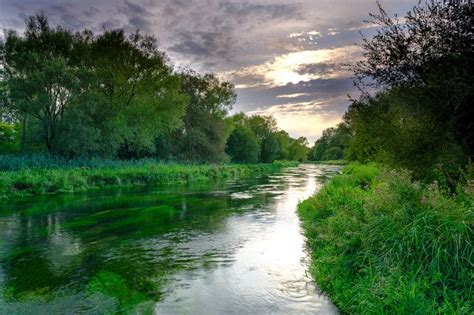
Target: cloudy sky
x=286, y=57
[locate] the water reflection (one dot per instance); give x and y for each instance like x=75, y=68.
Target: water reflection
x=227, y=247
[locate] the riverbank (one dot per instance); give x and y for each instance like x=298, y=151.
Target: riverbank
x=330, y=162
x=43, y=178
x=383, y=244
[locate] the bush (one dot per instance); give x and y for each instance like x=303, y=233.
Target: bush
x=383, y=244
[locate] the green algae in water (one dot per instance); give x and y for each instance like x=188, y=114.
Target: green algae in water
x=127, y=251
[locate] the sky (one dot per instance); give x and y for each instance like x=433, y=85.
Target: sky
x=287, y=58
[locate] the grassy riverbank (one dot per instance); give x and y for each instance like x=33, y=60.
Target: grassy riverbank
x=383, y=244
x=330, y=162
x=39, y=175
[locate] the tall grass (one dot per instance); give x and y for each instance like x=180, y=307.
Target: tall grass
x=383, y=244
x=44, y=161
x=40, y=175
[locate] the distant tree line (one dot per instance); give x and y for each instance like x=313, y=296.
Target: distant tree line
x=421, y=117
x=114, y=95
x=332, y=144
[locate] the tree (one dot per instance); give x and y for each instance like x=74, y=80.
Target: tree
x=9, y=139
x=299, y=149
x=335, y=140
x=140, y=96
x=284, y=140
x=270, y=150
x=422, y=69
x=243, y=145
x=41, y=83
x=204, y=134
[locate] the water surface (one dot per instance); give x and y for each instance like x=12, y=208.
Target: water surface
x=222, y=248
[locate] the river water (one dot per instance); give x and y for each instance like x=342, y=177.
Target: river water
x=232, y=247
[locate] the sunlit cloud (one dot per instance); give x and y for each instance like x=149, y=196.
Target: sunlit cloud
x=333, y=31
x=286, y=68
x=295, y=95
x=294, y=35
x=305, y=119
x=314, y=33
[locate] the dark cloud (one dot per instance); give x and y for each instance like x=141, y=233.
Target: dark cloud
x=111, y=24
x=73, y=22
x=203, y=44
x=319, y=91
x=140, y=23
x=262, y=11
x=134, y=9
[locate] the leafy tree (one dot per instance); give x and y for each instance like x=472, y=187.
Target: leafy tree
x=270, y=150
x=243, y=145
x=41, y=82
x=204, y=134
x=299, y=149
x=335, y=140
x=270, y=143
x=333, y=153
x=422, y=69
x=262, y=126
x=107, y=95
x=284, y=140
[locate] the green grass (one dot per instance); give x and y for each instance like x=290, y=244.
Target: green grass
x=383, y=244
x=330, y=162
x=35, y=176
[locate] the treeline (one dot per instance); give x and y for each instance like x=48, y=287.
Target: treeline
x=421, y=116
x=332, y=144
x=113, y=95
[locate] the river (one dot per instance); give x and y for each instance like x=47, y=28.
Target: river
x=231, y=247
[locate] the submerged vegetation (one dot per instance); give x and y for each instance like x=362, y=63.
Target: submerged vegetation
x=382, y=243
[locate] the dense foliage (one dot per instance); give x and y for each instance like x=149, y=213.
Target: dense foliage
x=114, y=95
x=420, y=117
x=422, y=68
x=331, y=145
x=257, y=138
x=387, y=245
